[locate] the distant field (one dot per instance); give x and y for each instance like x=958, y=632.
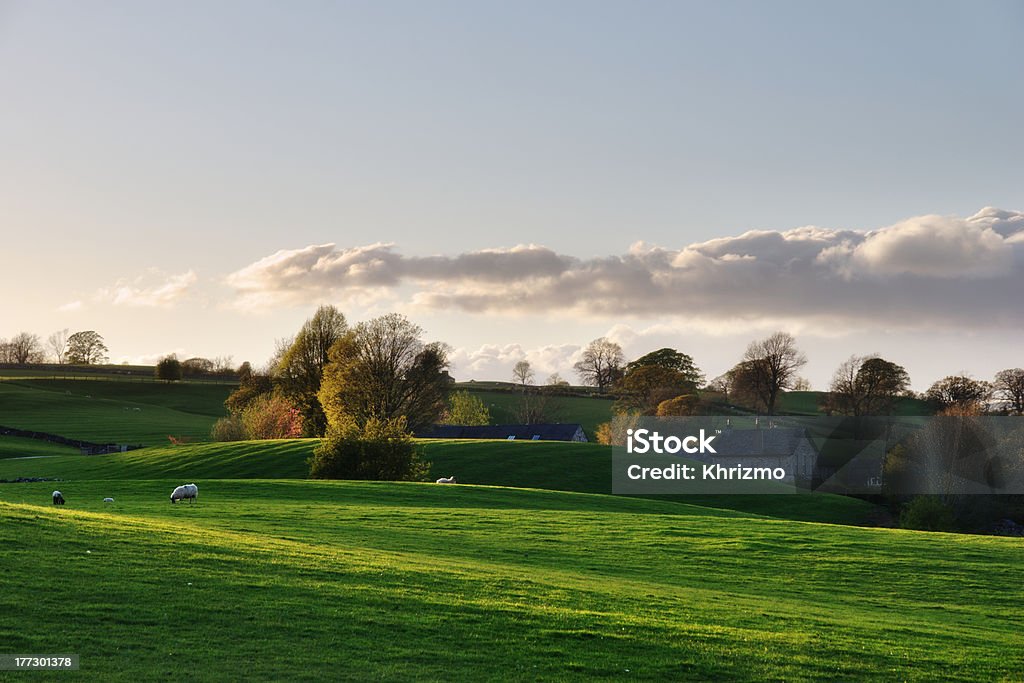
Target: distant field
x=809, y=402
x=85, y=413
x=14, y=447
x=302, y=580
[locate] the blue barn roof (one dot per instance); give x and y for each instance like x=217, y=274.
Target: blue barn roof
x=536, y=432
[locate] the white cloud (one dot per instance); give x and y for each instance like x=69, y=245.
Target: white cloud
x=70, y=307
x=143, y=292
x=925, y=271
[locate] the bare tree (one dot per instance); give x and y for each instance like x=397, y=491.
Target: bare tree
x=555, y=380
x=773, y=362
x=1009, y=386
x=58, y=344
x=522, y=373
x=601, y=365
x=25, y=348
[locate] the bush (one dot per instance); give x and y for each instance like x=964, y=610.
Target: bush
x=381, y=450
x=271, y=416
x=228, y=429
x=927, y=513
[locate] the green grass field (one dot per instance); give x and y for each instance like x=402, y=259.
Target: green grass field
x=587, y=411
x=301, y=580
x=527, y=571
x=112, y=412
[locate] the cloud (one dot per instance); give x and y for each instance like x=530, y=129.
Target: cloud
x=70, y=307
x=924, y=271
x=141, y=292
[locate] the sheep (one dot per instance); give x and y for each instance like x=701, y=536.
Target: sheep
x=58, y=498
x=447, y=480
x=108, y=500
x=185, y=491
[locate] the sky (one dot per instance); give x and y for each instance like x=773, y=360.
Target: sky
x=519, y=178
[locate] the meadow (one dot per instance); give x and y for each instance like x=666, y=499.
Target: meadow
x=527, y=571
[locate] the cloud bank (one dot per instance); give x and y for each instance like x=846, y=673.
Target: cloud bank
x=926, y=271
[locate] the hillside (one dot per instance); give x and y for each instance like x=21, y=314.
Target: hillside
x=112, y=412
x=584, y=468
x=302, y=580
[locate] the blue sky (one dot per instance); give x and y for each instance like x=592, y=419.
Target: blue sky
x=151, y=150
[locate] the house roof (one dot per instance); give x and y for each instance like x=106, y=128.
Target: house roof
x=542, y=432
x=752, y=442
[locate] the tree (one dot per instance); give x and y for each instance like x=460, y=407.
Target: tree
x=523, y=373
x=466, y=409
x=244, y=372
x=299, y=371
x=769, y=366
x=601, y=364
x=379, y=450
x=1009, y=387
x=197, y=367
x=670, y=359
x=58, y=344
x=959, y=392
x=678, y=406
x=383, y=370
x=866, y=385
x=555, y=380
x=536, y=407
x=24, y=348
x=644, y=387
x=86, y=348
x=168, y=369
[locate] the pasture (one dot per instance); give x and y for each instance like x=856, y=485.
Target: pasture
x=303, y=580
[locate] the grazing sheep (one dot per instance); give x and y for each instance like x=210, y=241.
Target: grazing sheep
x=108, y=500
x=188, y=492
x=447, y=480
x=58, y=498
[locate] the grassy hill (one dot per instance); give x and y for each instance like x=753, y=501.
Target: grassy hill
x=300, y=580
x=112, y=412
x=587, y=411
x=14, y=447
x=584, y=468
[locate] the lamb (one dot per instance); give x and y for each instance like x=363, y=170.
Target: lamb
x=108, y=500
x=188, y=492
x=447, y=480
x=58, y=498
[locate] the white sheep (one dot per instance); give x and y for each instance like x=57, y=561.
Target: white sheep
x=58, y=498
x=108, y=500
x=188, y=492
x=447, y=480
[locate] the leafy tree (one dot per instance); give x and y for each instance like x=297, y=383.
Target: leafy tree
x=768, y=366
x=380, y=449
x=959, y=392
x=670, y=359
x=197, y=367
x=168, y=369
x=601, y=364
x=644, y=387
x=86, y=348
x=249, y=389
x=466, y=409
x=866, y=385
x=523, y=373
x=1009, y=387
x=299, y=371
x=383, y=370
x=244, y=372
x=678, y=406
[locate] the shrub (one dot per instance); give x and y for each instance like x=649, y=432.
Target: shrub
x=228, y=429
x=271, y=416
x=381, y=450
x=927, y=513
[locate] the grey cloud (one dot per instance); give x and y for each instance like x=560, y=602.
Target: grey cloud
x=923, y=271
